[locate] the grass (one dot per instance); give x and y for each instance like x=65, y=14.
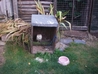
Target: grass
x=83, y=60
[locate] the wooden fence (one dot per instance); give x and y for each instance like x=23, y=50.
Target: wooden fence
x=25, y=8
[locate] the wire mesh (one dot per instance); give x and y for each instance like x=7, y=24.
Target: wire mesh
x=65, y=5
x=77, y=10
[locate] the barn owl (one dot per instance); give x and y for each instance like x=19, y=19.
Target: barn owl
x=39, y=37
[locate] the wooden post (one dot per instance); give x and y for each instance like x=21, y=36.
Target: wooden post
x=9, y=8
x=3, y=9
x=31, y=40
x=15, y=9
x=55, y=6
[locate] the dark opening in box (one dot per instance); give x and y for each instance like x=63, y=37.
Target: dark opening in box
x=48, y=35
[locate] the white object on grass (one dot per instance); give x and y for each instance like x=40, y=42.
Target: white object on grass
x=39, y=59
x=63, y=60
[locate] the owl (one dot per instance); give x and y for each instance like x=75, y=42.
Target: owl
x=39, y=37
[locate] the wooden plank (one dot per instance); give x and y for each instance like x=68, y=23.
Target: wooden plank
x=15, y=9
x=85, y=28
x=3, y=14
x=27, y=13
x=26, y=17
x=0, y=8
x=31, y=6
x=3, y=7
x=55, y=6
x=29, y=10
x=81, y=28
x=26, y=6
x=33, y=10
x=9, y=8
x=26, y=20
x=33, y=2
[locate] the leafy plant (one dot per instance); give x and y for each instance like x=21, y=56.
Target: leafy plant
x=15, y=29
x=60, y=16
x=41, y=9
x=61, y=19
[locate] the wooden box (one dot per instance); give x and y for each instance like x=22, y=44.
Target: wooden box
x=44, y=26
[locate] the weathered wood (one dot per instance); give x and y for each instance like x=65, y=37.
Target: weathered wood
x=31, y=6
x=26, y=17
x=3, y=14
x=3, y=7
x=85, y=28
x=9, y=8
x=33, y=10
x=27, y=8
x=15, y=9
x=27, y=13
x=27, y=20
x=81, y=28
x=55, y=6
x=33, y=2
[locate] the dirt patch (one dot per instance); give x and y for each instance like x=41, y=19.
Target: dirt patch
x=76, y=34
x=79, y=34
x=41, y=49
x=1, y=50
x=83, y=35
x=2, y=60
x=95, y=34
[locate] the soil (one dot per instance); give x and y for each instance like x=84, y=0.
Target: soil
x=80, y=35
x=2, y=60
x=90, y=38
x=42, y=49
x=95, y=34
x=76, y=34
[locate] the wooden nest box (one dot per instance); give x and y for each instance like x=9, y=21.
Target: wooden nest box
x=43, y=33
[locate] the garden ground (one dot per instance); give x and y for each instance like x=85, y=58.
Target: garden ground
x=83, y=60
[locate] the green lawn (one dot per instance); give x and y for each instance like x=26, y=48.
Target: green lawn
x=83, y=60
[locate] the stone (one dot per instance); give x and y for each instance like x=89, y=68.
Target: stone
x=61, y=46
x=2, y=43
x=41, y=60
x=79, y=41
x=67, y=40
